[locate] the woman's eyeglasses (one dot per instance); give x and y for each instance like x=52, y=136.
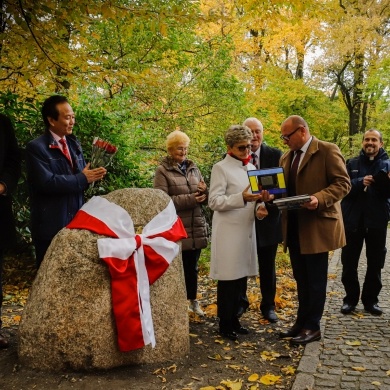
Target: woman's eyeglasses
x=243, y=147
x=287, y=136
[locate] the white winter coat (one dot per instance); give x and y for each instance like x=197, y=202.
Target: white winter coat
x=233, y=239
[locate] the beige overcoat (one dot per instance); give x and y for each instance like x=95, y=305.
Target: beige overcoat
x=321, y=173
x=233, y=238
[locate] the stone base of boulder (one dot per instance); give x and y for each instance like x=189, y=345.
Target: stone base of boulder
x=68, y=321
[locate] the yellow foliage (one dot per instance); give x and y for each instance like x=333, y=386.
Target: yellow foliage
x=288, y=370
x=234, y=367
x=267, y=355
x=215, y=357
x=233, y=385
x=211, y=310
x=359, y=369
x=354, y=343
x=269, y=379
x=253, y=378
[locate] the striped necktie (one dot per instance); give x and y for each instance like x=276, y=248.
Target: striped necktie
x=254, y=160
x=65, y=150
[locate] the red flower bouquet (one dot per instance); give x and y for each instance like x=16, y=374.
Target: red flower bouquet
x=102, y=153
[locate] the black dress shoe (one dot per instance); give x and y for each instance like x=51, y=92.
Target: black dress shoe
x=3, y=341
x=242, y=309
x=347, y=308
x=292, y=332
x=374, y=309
x=270, y=315
x=241, y=330
x=306, y=336
x=229, y=335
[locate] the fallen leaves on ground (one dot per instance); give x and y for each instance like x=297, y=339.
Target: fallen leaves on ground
x=256, y=361
x=233, y=385
x=269, y=355
x=269, y=379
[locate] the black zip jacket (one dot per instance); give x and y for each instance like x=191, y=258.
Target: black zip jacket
x=366, y=207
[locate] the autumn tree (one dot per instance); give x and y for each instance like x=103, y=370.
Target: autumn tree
x=273, y=43
x=355, y=45
x=137, y=69
x=144, y=59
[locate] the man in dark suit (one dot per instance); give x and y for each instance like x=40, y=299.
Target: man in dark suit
x=10, y=163
x=316, y=168
x=268, y=229
x=56, y=173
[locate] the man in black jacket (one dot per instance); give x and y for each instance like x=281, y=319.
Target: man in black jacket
x=10, y=163
x=366, y=212
x=268, y=229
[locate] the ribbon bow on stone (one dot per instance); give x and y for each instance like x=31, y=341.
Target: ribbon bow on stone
x=135, y=261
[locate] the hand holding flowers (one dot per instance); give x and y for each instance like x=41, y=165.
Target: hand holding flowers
x=102, y=153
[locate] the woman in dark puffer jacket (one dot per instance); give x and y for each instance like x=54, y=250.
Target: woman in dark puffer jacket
x=181, y=179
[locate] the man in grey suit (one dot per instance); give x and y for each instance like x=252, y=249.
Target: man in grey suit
x=268, y=229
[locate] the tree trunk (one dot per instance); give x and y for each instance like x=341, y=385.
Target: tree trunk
x=301, y=63
x=357, y=94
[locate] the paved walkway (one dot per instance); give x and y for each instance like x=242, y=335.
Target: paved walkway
x=354, y=352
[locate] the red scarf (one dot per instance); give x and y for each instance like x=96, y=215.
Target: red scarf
x=245, y=161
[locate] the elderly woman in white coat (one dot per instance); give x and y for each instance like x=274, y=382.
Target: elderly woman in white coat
x=233, y=240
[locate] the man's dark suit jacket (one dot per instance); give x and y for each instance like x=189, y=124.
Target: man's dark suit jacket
x=56, y=189
x=269, y=230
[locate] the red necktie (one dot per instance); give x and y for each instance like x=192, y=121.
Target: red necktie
x=65, y=150
x=293, y=173
x=254, y=160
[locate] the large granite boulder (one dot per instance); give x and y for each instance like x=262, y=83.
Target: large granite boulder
x=68, y=321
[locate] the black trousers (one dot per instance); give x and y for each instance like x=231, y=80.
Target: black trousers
x=243, y=303
x=311, y=274
x=190, y=266
x=41, y=247
x=266, y=258
x=375, y=240
x=229, y=294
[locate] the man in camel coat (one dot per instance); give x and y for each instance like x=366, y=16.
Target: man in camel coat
x=318, y=169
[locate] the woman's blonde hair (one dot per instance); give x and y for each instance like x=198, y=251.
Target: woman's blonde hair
x=175, y=138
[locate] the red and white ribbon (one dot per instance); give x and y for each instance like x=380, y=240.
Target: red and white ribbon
x=135, y=261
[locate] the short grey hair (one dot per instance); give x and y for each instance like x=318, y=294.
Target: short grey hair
x=236, y=134
x=253, y=120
